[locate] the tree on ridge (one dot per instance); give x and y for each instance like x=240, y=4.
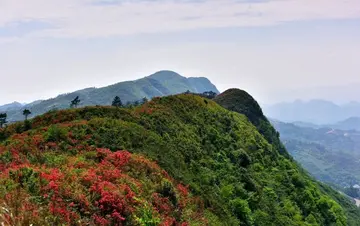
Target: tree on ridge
x=3, y=121
x=26, y=113
x=117, y=102
x=75, y=102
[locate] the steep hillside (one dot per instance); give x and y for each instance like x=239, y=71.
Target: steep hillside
x=62, y=169
x=161, y=83
x=240, y=101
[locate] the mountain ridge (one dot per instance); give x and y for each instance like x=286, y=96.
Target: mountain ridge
x=10, y=106
x=161, y=83
x=220, y=154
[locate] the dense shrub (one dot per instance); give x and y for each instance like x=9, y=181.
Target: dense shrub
x=188, y=162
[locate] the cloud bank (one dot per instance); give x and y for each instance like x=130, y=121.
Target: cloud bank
x=104, y=18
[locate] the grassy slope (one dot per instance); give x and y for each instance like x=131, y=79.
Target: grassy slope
x=241, y=178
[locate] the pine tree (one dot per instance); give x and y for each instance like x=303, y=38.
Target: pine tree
x=75, y=102
x=26, y=113
x=3, y=121
x=117, y=102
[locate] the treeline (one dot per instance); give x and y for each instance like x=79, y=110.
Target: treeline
x=3, y=117
x=116, y=102
x=207, y=94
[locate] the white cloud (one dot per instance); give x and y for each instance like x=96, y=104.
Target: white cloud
x=83, y=18
x=8, y=40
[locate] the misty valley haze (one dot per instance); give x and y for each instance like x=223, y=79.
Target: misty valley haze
x=318, y=112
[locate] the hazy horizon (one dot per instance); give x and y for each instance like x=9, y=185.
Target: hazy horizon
x=277, y=50
x=303, y=94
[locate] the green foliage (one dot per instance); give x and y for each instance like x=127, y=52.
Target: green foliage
x=116, y=102
x=352, y=211
x=167, y=190
x=6, y=157
x=240, y=177
x=146, y=217
x=3, y=119
x=331, y=212
x=26, y=113
x=240, y=157
x=240, y=101
x=241, y=210
x=311, y=220
x=52, y=159
x=26, y=178
x=55, y=133
x=75, y=102
x=27, y=125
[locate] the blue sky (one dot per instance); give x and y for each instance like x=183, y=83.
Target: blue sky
x=275, y=49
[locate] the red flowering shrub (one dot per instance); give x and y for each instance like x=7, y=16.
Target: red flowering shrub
x=89, y=185
x=183, y=189
x=59, y=173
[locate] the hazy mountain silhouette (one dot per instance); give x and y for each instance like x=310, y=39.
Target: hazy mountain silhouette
x=161, y=83
x=11, y=106
x=352, y=123
x=314, y=111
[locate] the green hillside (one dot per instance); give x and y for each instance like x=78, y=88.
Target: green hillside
x=241, y=102
x=214, y=168
x=161, y=83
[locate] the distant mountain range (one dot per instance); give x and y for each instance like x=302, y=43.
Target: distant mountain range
x=11, y=106
x=318, y=112
x=340, y=93
x=161, y=83
x=352, y=123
